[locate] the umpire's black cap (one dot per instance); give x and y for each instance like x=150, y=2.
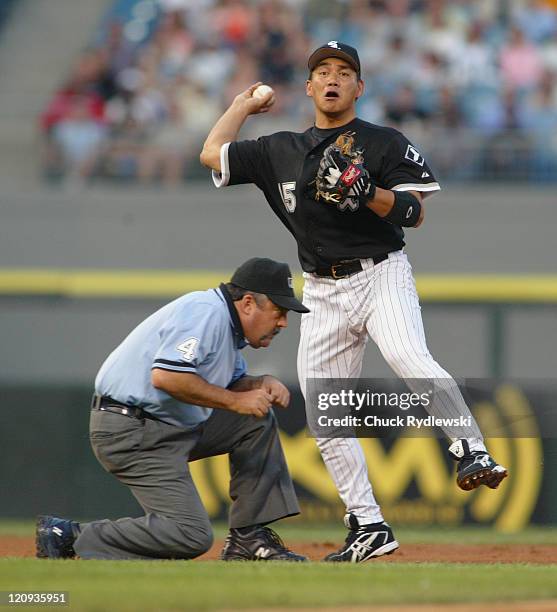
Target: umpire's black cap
x=335, y=49
x=272, y=278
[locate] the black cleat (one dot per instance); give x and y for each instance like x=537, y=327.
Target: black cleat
x=364, y=542
x=261, y=544
x=475, y=468
x=54, y=537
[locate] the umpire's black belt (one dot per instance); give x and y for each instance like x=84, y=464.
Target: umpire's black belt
x=107, y=404
x=342, y=269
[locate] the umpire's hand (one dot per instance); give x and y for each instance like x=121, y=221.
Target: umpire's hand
x=280, y=395
x=256, y=402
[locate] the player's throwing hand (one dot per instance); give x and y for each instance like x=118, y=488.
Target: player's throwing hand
x=255, y=105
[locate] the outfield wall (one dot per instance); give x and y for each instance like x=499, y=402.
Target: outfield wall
x=61, y=335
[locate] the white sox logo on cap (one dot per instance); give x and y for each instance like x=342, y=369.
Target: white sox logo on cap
x=335, y=49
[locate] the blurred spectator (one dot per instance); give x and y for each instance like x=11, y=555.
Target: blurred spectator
x=450, y=144
x=62, y=106
x=245, y=73
x=473, y=83
x=276, y=43
x=173, y=43
x=404, y=108
x=507, y=152
x=521, y=61
x=128, y=140
x=354, y=28
x=176, y=142
x=119, y=52
x=432, y=73
x=235, y=22
x=539, y=111
x=396, y=66
x=476, y=64
x=443, y=41
x=74, y=121
x=78, y=135
x=549, y=54
x=449, y=115
x=536, y=20
x=539, y=119
x=211, y=66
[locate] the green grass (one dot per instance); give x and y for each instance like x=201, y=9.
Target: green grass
x=214, y=585
x=186, y=585
x=298, y=531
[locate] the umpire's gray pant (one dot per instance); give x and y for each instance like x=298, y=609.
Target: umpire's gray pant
x=151, y=458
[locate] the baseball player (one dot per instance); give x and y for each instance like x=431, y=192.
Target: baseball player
x=176, y=390
x=345, y=189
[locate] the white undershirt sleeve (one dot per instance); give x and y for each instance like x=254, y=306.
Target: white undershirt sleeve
x=221, y=178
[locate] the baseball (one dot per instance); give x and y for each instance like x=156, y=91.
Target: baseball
x=262, y=91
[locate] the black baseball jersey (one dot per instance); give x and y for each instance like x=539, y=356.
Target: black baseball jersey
x=284, y=166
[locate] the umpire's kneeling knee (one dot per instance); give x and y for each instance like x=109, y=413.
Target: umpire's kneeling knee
x=196, y=541
x=266, y=422
x=203, y=540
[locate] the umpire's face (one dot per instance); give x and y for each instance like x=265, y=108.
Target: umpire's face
x=334, y=87
x=261, y=322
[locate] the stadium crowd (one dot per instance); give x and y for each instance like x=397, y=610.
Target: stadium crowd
x=472, y=83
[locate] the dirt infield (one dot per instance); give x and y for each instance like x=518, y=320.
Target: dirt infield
x=18, y=546
x=445, y=553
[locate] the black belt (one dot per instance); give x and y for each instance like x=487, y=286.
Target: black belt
x=342, y=269
x=107, y=404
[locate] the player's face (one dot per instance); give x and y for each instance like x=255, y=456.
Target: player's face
x=334, y=87
x=263, y=323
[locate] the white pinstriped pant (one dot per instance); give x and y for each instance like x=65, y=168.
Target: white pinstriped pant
x=380, y=302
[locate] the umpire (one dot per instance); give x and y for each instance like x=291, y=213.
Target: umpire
x=176, y=390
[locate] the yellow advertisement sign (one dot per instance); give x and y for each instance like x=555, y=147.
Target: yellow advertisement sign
x=412, y=480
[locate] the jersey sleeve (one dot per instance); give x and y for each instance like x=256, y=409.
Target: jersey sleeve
x=186, y=341
x=405, y=169
x=241, y=162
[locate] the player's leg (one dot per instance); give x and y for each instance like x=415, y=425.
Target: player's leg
x=151, y=458
x=395, y=324
x=332, y=346
x=332, y=343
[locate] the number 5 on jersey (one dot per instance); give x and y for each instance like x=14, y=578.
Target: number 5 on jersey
x=288, y=196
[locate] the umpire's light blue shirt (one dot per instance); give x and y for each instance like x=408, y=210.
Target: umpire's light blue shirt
x=199, y=332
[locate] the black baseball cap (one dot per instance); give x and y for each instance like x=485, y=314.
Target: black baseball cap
x=272, y=278
x=335, y=49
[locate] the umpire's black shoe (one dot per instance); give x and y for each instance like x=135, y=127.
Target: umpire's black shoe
x=364, y=542
x=475, y=468
x=260, y=544
x=54, y=537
